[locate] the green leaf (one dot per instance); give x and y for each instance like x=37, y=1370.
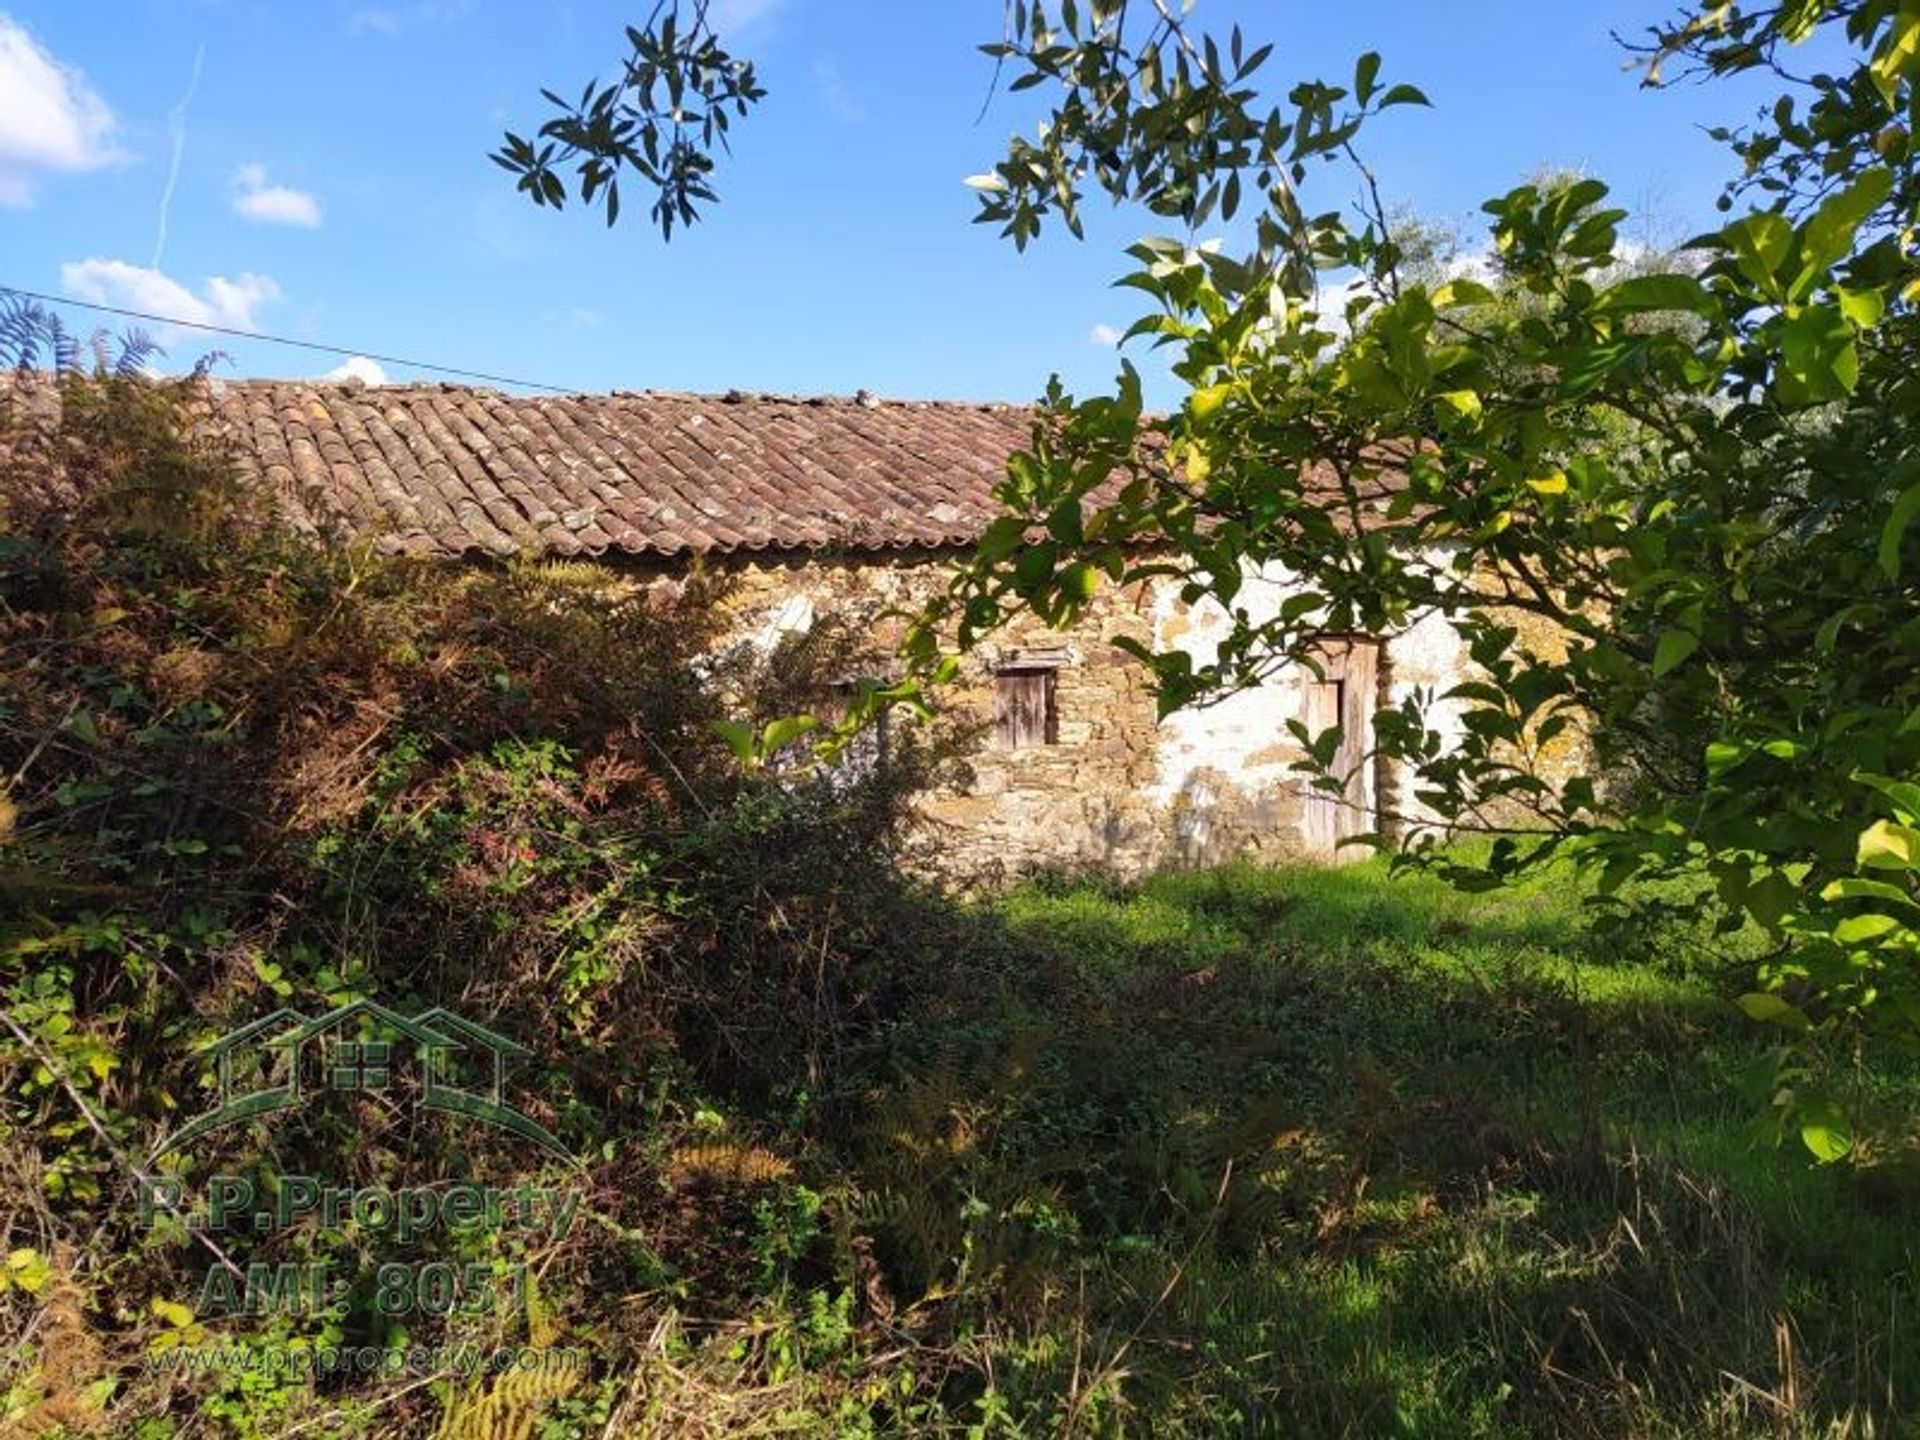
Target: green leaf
x=1067, y=522
x=1770, y=1009
x=1818, y=354
x=1658, y=292
x=1864, y=308
x=1079, y=582
x=1206, y=402
x=1899, y=55
x=1366, y=76
x=1825, y=1132
x=28, y=1269
x=1723, y=755
x=1886, y=846
x=785, y=731
x=1856, y=929
x=1002, y=537
x=173, y=1312
x=738, y=737
x=1463, y=292
x=1829, y=234
x=1405, y=95
x=1587, y=366
x=1759, y=243
x=1904, y=794
x=1855, y=888
x=1894, y=532
x=1033, y=571
x=1770, y=898
x=1674, y=647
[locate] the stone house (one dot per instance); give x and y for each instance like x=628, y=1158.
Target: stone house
x=860, y=507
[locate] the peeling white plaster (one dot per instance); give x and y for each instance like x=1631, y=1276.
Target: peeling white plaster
x=792, y=616
x=1223, y=737
x=1428, y=659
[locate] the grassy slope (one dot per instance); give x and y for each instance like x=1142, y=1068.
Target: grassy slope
x=1301, y=1151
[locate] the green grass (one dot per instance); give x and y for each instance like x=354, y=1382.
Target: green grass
x=1304, y=1151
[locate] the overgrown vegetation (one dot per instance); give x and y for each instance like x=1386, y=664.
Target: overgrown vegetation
x=1242, y=1152
x=246, y=768
x=1669, y=514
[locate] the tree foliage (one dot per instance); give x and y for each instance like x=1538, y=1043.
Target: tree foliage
x=1697, y=482
x=663, y=120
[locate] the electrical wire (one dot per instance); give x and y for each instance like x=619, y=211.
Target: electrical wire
x=284, y=340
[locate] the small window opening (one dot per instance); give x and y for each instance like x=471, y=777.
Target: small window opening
x=1024, y=712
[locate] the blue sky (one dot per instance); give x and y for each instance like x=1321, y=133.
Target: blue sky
x=330, y=180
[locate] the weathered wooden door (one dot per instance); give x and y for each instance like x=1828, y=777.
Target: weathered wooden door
x=1344, y=697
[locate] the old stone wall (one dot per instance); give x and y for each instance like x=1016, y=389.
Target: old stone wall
x=1116, y=788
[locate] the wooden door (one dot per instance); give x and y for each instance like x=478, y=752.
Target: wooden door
x=1344, y=697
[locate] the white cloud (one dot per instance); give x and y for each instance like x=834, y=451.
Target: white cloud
x=373, y=22
x=732, y=18
x=255, y=199
x=1107, y=335
x=835, y=95
x=51, y=118
x=391, y=20
x=1481, y=265
x=359, y=367
x=229, y=303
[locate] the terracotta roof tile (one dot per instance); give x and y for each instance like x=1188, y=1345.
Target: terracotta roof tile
x=443, y=468
x=451, y=470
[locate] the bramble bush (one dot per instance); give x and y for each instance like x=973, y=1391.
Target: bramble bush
x=245, y=767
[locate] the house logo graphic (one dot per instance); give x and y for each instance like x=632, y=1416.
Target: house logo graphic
x=275, y=1062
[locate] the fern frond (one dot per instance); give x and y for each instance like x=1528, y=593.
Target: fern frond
x=65, y=346
x=24, y=328
x=137, y=347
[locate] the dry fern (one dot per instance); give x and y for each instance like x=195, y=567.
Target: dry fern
x=70, y=1360
x=509, y=1408
x=726, y=1163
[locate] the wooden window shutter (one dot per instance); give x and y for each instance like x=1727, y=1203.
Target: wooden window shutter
x=1023, y=708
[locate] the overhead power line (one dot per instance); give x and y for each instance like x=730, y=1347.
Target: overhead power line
x=284, y=340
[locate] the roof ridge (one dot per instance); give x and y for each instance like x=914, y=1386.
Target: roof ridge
x=863, y=399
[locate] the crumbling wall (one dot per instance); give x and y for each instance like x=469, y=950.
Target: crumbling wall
x=1119, y=789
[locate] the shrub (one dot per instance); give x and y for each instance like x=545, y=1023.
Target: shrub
x=248, y=767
